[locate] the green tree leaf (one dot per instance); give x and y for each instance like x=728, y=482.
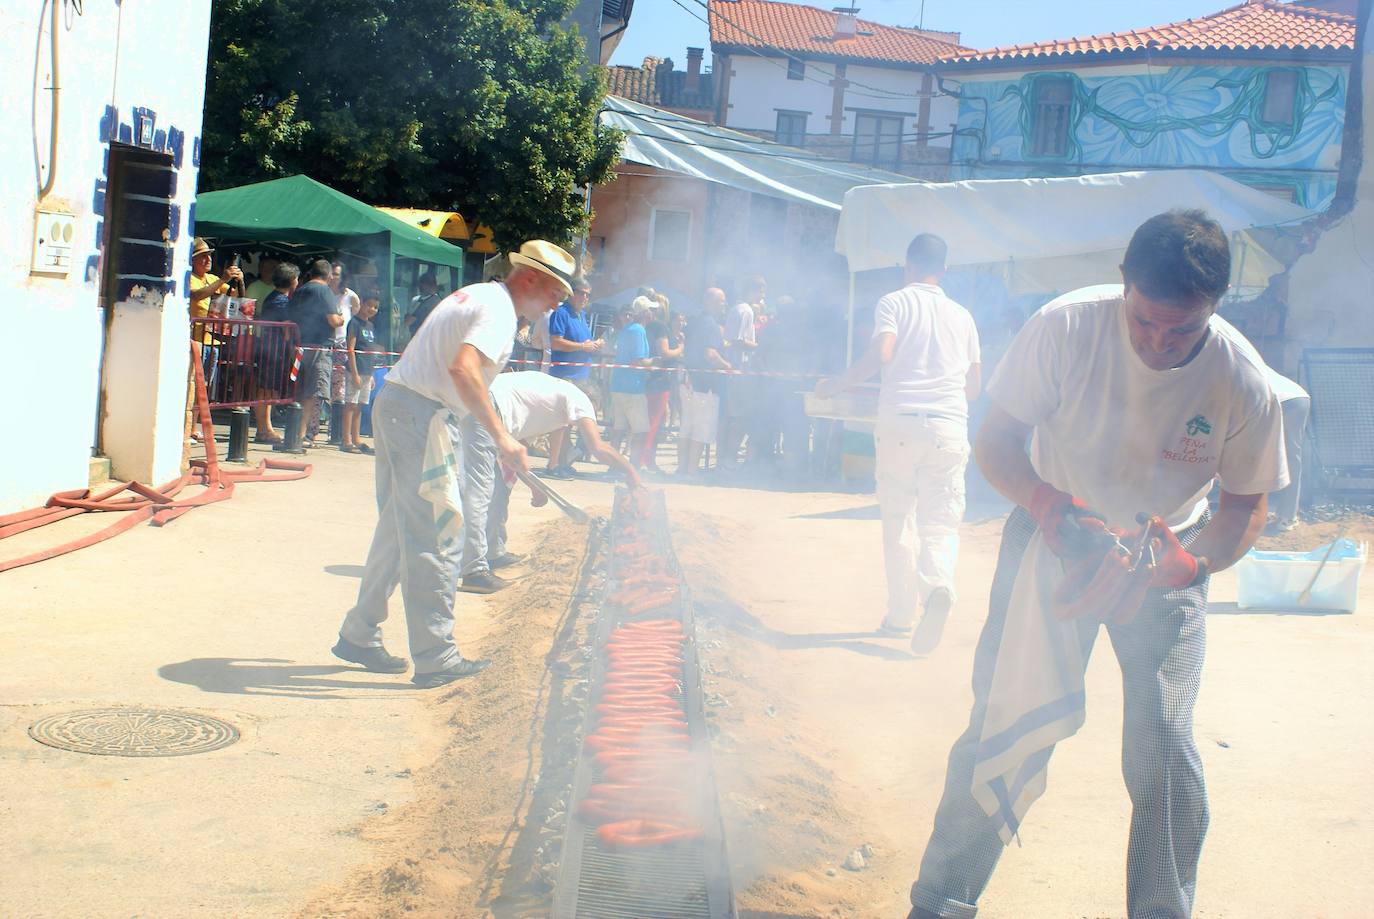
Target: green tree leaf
x=485, y=107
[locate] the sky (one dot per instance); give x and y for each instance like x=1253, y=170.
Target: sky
x=662, y=28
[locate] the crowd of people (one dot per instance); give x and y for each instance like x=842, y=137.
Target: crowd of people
x=725, y=382
x=339, y=345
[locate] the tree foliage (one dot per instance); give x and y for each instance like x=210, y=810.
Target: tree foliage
x=479, y=106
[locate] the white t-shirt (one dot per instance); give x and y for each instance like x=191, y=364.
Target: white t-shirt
x=346, y=306
x=742, y=325
x=1285, y=389
x=481, y=315
x=533, y=404
x=1125, y=438
x=936, y=345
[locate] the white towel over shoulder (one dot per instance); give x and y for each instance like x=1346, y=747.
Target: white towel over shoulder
x=441, y=477
x=1036, y=698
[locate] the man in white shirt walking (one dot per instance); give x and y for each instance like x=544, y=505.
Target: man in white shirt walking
x=926, y=347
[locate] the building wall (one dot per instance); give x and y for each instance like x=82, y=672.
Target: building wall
x=1329, y=304
x=1141, y=117
x=148, y=56
x=622, y=213
x=758, y=88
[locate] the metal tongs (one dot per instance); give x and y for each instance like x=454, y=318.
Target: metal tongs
x=1146, y=548
x=574, y=513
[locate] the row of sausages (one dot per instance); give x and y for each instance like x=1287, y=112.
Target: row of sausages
x=641, y=747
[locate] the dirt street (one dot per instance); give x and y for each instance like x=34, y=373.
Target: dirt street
x=351, y=794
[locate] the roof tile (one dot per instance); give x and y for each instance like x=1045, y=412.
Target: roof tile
x=799, y=29
x=1259, y=25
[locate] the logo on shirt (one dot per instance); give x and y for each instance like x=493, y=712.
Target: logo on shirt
x=1192, y=447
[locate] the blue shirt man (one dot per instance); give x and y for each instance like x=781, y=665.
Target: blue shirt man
x=631, y=347
x=570, y=337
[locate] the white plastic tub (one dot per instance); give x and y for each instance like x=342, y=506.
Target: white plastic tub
x=1275, y=580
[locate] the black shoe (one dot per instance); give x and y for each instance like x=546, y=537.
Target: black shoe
x=932, y=625
x=483, y=582
x=505, y=560
x=374, y=659
x=437, y=678
x=560, y=474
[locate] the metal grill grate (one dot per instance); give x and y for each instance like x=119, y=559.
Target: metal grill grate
x=683, y=881
x=648, y=885
x=1341, y=384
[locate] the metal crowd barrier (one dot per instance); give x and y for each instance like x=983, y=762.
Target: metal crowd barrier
x=247, y=363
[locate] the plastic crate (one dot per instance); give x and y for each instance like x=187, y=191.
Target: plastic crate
x=1275, y=580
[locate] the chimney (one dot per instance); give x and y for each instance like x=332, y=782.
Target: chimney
x=693, y=71
x=846, y=22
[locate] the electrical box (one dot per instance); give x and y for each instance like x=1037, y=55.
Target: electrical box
x=53, y=237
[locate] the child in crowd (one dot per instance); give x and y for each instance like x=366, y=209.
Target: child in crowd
x=362, y=360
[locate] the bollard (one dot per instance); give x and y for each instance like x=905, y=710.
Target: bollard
x=238, y=436
x=291, y=430
x=336, y=422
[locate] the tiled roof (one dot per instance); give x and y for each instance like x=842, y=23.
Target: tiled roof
x=1259, y=25
x=657, y=85
x=807, y=30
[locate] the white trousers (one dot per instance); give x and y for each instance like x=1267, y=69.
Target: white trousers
x=920, y=476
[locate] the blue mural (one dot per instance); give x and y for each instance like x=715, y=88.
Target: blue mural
x=1163, y=117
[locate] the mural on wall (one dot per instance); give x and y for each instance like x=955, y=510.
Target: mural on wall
x=1206, y=116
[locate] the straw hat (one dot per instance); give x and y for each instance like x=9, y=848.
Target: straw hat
x=555, y=261
x=199, y=247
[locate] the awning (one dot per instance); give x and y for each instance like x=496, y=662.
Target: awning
x=448, y=225
x=655, y=137
x=297, y=210
x=1050, y=221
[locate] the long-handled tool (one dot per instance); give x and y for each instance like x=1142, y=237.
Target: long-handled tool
x=575, y=513
x=1306, y=594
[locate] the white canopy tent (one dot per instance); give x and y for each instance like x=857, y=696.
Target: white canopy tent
x=1052, y=234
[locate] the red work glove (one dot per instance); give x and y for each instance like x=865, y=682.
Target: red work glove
x=1067, y=525
x=1175, y=567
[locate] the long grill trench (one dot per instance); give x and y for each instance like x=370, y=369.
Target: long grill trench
x=606, y=871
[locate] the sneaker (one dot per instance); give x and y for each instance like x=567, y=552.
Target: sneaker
x=483, y=582
x=364, y=448
x=889, y=628
x=561, y=474
x=374, y=659
x=505, y=560
x=932, y=625
x=463, y=668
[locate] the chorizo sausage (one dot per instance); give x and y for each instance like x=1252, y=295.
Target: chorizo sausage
x=640, y=834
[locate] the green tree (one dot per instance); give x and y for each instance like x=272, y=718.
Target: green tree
x=478, y=106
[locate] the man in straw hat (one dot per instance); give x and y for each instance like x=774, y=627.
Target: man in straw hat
x=447, y=368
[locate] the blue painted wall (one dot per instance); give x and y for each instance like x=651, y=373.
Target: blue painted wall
x=1161, y=117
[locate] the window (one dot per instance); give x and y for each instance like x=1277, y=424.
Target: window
x=1052, y=99
x=1280, y=97
x=796, y=70
x=877, y=138
x=791, y=129
x=669, y=236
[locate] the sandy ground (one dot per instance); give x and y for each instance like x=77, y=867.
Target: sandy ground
x=352, y=794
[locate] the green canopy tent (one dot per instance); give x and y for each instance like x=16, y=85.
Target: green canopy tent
x=299, y=213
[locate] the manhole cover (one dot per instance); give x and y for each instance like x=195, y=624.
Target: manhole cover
x=133, y=732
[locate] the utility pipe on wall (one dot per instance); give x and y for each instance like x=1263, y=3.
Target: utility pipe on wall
x=56, y=97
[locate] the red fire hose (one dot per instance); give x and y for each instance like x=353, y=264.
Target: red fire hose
x=160, y=505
